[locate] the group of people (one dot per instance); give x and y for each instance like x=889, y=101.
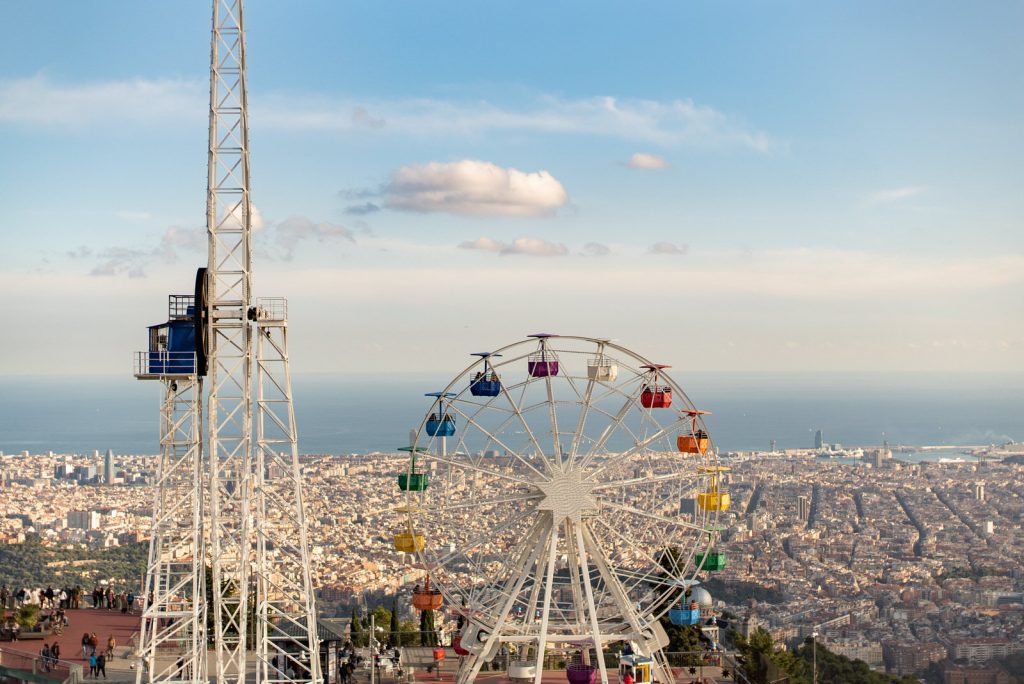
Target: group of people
x=349, y=660
x=97, y=659
x=49, y=655
x=68, y=598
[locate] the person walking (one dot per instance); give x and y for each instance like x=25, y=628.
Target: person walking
x=92, y=665
x=85, y=645
x=111, y=645
x=94, y=643
x=44, y=654
x=55, y=653
x=101, y=665
x=131, y=601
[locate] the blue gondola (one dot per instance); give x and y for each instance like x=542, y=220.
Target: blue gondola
x=440, y=423
x=684, y=616
x=485, y=383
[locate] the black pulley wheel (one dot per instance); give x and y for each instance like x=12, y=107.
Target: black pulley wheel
x=201, y=321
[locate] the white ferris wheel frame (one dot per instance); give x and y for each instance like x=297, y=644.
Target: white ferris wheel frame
x=557, y=513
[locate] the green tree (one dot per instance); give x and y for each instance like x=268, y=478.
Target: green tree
x=27, y=616
x=428, y=633
x=395, y=628
x=356, y=630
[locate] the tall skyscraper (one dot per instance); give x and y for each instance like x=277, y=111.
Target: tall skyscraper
x=819, y=440
x=979, y=491
x=803, y=509
x=108, y=467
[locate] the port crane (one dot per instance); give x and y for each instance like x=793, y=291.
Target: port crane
x=228, y=518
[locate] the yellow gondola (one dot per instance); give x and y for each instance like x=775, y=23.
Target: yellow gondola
x=406, y=542
x=713, y=499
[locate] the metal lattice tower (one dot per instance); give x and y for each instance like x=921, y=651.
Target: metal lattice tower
x=229, y=283
x=241, y=499
x=172, y=636
x=285, y=615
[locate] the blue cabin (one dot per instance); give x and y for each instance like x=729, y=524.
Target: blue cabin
x=684, y=616
x=172, y=345
x=485, y=385
x=440, y=425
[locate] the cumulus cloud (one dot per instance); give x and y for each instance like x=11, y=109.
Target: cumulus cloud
x=894, y=194
x=473, y=188
x=641, y=160
x=290, y=232
x=524, y=246
x=362, y=209
x=669, y=248
x=595, y=249
x=176, y=238
x=38, y=100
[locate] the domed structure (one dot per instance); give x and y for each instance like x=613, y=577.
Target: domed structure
x=701, y=596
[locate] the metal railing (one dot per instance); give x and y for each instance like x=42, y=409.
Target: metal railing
x=15, y=663
x=178, y=306
x=271, y=309
x=161, y=363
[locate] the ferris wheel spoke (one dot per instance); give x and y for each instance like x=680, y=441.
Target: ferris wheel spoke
x=612, y=583
x=517, y=411
x=585, y=400
x=650, y=516
x=556, y=444
x=617, y=458
x=636, y=576
x=464, y=549
x=494, y=438
x=480, y=503
x=469, y=465
x=670, y=477
x=609, y=430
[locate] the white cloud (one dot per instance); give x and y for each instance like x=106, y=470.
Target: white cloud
x=595, y=249
x=290, y=232
x=895, y=194
x=473, y=188
x=525, y=246
x=641, y=160
x=535, y=247
x=176, y=238
x=38, y=101
x=669, y=248
x=484, y=244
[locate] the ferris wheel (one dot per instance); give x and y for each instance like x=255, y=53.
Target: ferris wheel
x=561, y=492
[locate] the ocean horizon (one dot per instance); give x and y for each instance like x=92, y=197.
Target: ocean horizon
x=361, y=413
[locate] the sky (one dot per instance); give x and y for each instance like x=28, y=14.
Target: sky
x=776, y=186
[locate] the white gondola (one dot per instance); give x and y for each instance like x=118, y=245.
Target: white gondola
x=602, y=369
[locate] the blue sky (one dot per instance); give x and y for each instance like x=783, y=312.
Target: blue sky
x=749, y=186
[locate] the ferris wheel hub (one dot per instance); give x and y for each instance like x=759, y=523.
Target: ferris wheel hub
x=567, y=496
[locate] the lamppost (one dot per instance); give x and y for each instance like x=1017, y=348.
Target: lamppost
x=814, y=657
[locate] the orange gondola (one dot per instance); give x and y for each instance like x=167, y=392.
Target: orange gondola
x=426, y=598
x=697, y=441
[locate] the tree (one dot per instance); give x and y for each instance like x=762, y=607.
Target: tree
x=395, y=628
x=27, y=616
x=356, y=630
x=428, y=633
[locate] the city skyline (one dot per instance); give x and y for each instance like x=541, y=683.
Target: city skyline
x=776, y=188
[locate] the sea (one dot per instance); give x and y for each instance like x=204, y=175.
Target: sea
x=364, y=413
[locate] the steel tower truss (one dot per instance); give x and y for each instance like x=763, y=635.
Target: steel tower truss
x=286, y=639
x=172, y=637
x=275, y=585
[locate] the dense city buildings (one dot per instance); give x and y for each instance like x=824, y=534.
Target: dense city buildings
x=899, y=564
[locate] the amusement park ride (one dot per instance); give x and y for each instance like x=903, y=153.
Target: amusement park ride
x=543, y=497
x=233, y=505
x=554, y=523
